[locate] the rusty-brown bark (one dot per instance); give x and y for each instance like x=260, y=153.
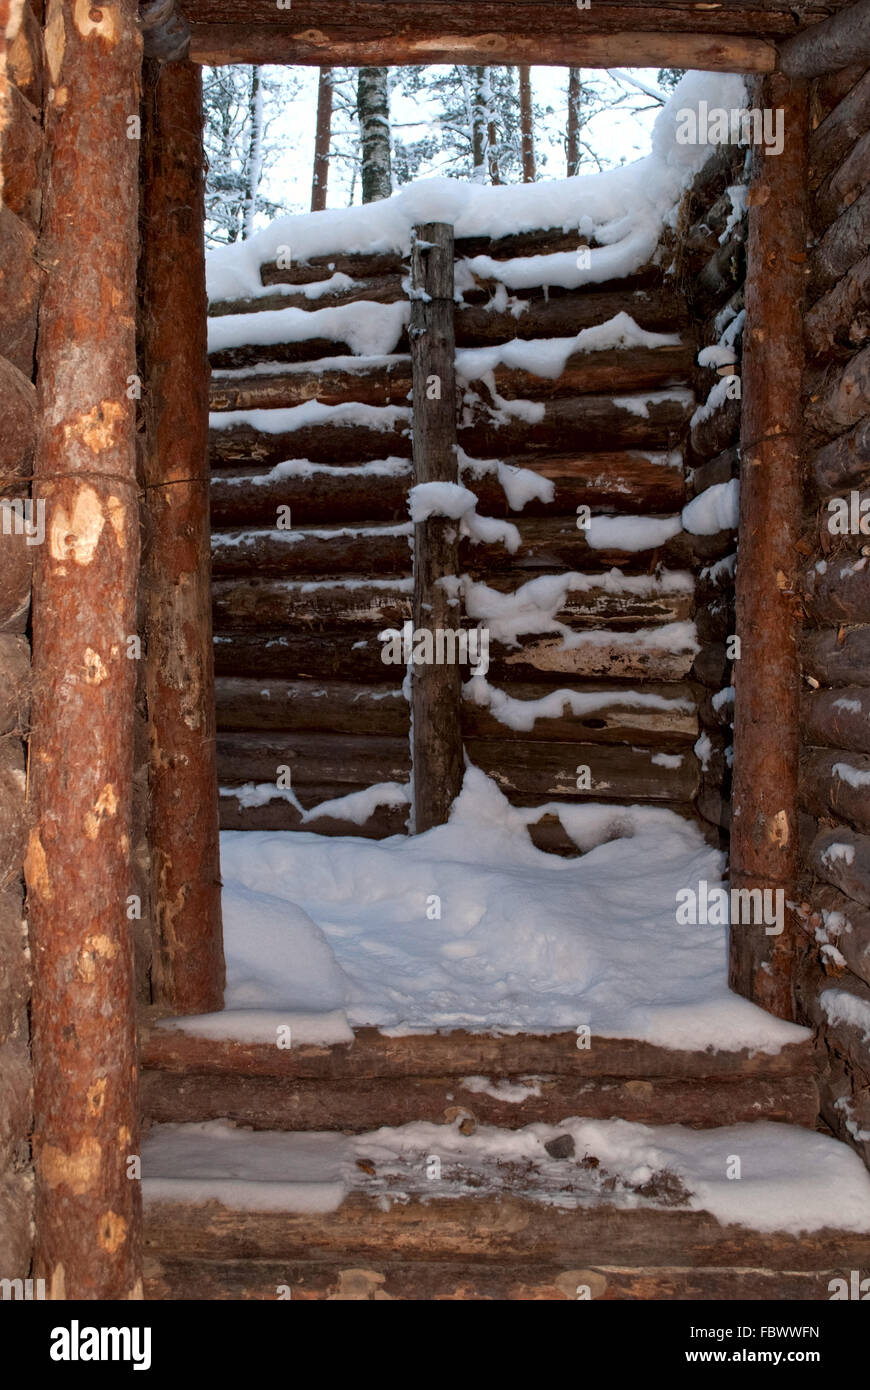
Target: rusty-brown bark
x=322, y=136
x=188, y=973
x=527, y=135
x=88, y=1213
x=765, y=820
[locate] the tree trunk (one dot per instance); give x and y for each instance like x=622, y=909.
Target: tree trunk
x=373, y=105
x=322, y=138
x=255, y=152
x=183, y=830
x=78, y=867
x=480, y=121
x=573, y=140
x=526, y=124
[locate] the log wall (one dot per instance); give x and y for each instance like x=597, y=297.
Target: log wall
x=21, y=151
x=833, y=977
x=307, y=711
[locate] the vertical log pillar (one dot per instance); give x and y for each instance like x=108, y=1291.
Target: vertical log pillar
x=764, y=834
x=87, y=1201
x=188, y=970
x=436, y=739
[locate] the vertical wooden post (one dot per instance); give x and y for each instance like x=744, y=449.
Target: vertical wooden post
x=189, y=966
x=88, y=1241
x=436, y=693
x=764, y=834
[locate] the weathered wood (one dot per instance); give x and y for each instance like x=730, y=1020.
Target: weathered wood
x=337, y=707
x=842, y=187
x=493, y=1228
x=330, y=550
x=473, y=1281
x=558, y=543
x=436, y=740
x=217, y=44
x=88, y=1231
x=842, y=593
x=357, y=1106
x=837, y=718
x=844, y=463
x=14, y=682
x=841, y=39
x=837, y=657
x=583, y=422
x=257, y=603
x=342, y=655
x=21, y=158
x=839, y=322
x=19, y=424
x=825, y=788
x=831, y=141
x=460, y=1053
x=830, y=918
x=25, y=53
x=765, y=819
x=188, y=972
x=616, y=772
x=328, y=441
x=20, y=285
x=717, y=432
x=844, y=243
x=629, y=481
x=340, y=760
x=283, y=815
x=838, y=397
x=722, y=273
x=842, y=857
x=623, y=370
x=591, y=659
x=379, y=289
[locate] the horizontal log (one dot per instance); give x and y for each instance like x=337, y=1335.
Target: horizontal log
x=826, y=789
x=837, y=657
x=629, y=481
x=312, y=759
x=712, y=666
x=253, y=603
x=838, y=396
x=19, y=424
x=842, y=857
x=330, y=550
x=715, y=433
x=719, y=469
x=554, y=314
x=329, y=656
x=831, y=141
x=617, y=660
x=840, y=39
x=341, y=707
x=616, y=772
x=324, y=442
x=556, y=543
x=617, y=369
x=14, y=682
x=217, y=44
x=609, y=720
x=833, y=919
x=842, y=593
x=841, y=188
x=360, y=1106
x=282, y=815
x=844, y=243
x=837, y=718
x=844, y=463
x=257, y=603
x=582, y=422
x=427, y=1281
x=376, y=289
x=839, y=322
x=20, y=287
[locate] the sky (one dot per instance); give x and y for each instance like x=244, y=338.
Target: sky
x=616, y=136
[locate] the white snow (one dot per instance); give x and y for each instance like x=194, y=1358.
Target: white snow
x=852, y=775
x=791, y=1179
x=838, y=851
x=631, y=533
x=716, y=509
x=718, y=395
x=524, y=940
x=391, y=467
x=286, y=419
x=440, y=499
x=512, y=1092
x=368, y=328
x=841, y=1006
x=640, y=403
x=623, y=210
x=703, y=751
x=723, y=697
x=522, y=715
x=519, y=485
x=850, y=706
x=669, y=760
x=548, y=357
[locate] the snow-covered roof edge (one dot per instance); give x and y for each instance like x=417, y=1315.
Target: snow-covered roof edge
x=623, y=210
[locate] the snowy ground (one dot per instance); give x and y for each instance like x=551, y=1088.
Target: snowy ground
x=469, y=925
